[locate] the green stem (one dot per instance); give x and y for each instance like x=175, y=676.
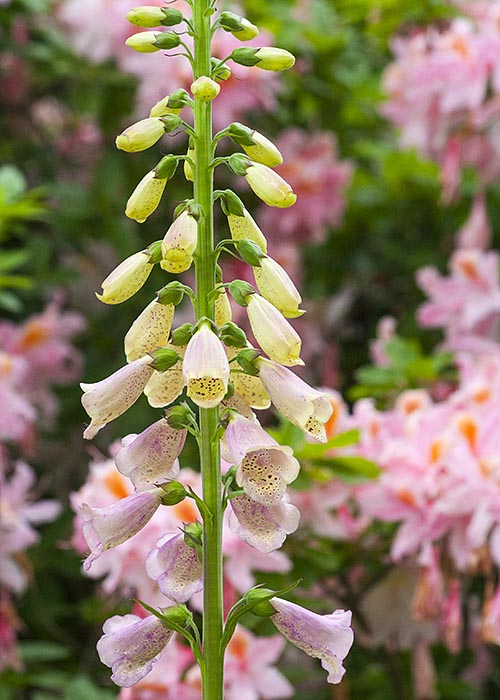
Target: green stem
x=212, y=670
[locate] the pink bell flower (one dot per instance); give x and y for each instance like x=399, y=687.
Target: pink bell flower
x=176, y=567
x=264, y=468
x=131, y=645
x=205, y=368
x=305, y=407
x=104, y=528
x=106, y=400
x=150, y=458
x=263, y=527
x=324, y=637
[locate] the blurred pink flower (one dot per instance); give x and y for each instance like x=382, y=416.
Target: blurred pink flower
x=318, y=178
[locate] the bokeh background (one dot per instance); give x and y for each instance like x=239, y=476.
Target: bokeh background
x=390, y=129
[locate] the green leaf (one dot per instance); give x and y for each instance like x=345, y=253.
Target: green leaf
x=12, y=183
x=34, y=651
x=351, y=467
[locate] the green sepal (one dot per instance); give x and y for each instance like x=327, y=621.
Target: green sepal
x=164, y=359
x=230, y=22
x=182, y=207
x=172, y=17
x=241, y=134
x=240, y=290
x=167, y=40
x=174, y=493
x=233, y=336
x=172, y=293
x=219, y=72
x=238, y=163
x=178, y=99
x=181, y=416
x=165, y=170
x=246, y=360
x=171, y=122
x=245, y=56
x=193, y=534
x=231, y=203
x=154, y=252
x=183, y=334
x=176, y=617
x=251, y=253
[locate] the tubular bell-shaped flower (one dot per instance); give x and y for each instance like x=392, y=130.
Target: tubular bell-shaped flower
x=151, y=457
x=264, y=468
x=305, y=407
x=104, y=528
x=131, y=645
x=149, y=331
x=205, y=368
x=126, y=279
x=275, y=285
x=263, y=151
x=269, y=186
x=179, y=243
x=272, y=332
x=324, y=637
x=176, y=567
x=141, y=135
x=263, y=527
x=106, y=400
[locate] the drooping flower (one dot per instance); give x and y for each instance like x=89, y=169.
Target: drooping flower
x=151, y=457
x=125, y=280
x=179, y=244
x=270, y=187
x=205, y=368
x=176, y=567
x=263, y=527
x=131, y=645
x=275, y=285
x=141, y=135
x=299, y=403
x=146, y=197
x=324, y=637
x=104, y=528
x=264, y=468
x=273, y=332
x=149, y=331
x=106, y=400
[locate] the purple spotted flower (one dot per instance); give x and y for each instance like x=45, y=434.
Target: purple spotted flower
x=263, y=527
x=176, y=567
x=151, y=457
x=104, y=528
x=264, y=468
x=324, y=637
x=131, y=645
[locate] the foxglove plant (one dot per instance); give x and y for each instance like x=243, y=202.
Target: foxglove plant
x=211, y=360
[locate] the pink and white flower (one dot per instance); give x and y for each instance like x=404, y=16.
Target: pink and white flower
x=176, y=567
x=260, y=526
x=205, y=368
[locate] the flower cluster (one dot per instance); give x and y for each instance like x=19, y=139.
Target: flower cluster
x=210, y=378
x=444, y=93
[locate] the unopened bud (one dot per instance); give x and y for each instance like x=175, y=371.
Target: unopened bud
x=144, y=42
x=167, y=40
x=266, y=57
x=164, y=359
x=141, y=135
x=188, y=169
x=269, y=186
x=219, y=72
x=173, y=493
x=205, y=89
x=151, y=16
x=239, y=26
x=170, y=104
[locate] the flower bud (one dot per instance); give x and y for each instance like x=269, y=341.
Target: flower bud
x=269, y=186
x=263, y=151
x=141, y=135
x=188, y=168
x=173, y=493
x=151, y=16
x=222, y=309
x=193, y=534
x=180, y=417
x=179, y=243
x=266, y=57
x=126, y=279
x=219, y=72
x=273, y=333
x=149, y=42
x=239, y=26
x=205, y=89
